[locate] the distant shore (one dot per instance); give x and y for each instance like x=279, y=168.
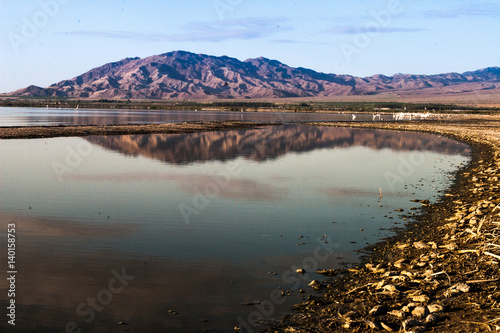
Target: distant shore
x=356, y=103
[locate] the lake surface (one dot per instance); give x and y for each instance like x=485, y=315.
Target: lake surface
x=176, y=233
x=13, y=116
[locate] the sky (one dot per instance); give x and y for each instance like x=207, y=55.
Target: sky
x=47, y=41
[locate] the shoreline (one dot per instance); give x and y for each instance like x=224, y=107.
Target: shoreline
x=445, y=260
x=34, y=132
x=440, y=273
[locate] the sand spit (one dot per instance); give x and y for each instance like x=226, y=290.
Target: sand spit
x=441, y=273
x=31, y=132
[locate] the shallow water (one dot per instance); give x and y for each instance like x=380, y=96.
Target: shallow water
x=14, y=116
x=201, y=223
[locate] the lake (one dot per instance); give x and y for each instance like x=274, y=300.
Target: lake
x=186, y=233
x=25, y=116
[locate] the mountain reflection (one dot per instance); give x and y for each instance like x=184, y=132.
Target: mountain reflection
x=270, y=142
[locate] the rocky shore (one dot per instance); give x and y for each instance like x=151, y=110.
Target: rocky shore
x=441, y=273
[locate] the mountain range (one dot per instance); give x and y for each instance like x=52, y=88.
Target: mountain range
x=184, y=75
x=268, y=143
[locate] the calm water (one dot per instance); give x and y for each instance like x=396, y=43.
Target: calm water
x=175, y=233
x=54, y=117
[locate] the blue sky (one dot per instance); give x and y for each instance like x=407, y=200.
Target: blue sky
x=46, y=41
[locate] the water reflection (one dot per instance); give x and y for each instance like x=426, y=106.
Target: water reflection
x=58, y=280
x=270, y=142
x=290, y=190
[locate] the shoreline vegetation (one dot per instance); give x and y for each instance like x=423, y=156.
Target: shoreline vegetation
x=440, y=274
x=291, y=105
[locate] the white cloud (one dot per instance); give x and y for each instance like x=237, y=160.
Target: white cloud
x=476, y=9
x=352, y=30
x=217, y=31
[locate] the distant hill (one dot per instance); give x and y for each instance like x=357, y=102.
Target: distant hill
x=185, y=75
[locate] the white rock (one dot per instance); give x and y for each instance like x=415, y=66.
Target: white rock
x=435, y=308
x=419, y=312
x=315, y=284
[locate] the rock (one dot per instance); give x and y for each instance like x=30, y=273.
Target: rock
x=388, y=274
x=435, y=308
x=327, y=272
x=471, y=215
x=386, y=327
x=419, y=312
x=409, y=323
x=300, y=271
x=348, y=324
x=432, y=318
x=428, y=274
x=425, y=259
x=433, y=245
x=461, y=287
x=391, y=289
x=315, y=284
x=410, y=306
x=420, y=299
x=377, y=310
x=370, y=324
x=401, y=278
x=406, y=309
x=376, y=270
x=408, y=274
x=397, y=313
x=420, y=245
x=399, y=263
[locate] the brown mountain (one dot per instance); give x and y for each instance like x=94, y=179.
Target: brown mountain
x=185, y=75
x=269, y=142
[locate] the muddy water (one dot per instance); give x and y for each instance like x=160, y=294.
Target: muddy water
x=177, y=233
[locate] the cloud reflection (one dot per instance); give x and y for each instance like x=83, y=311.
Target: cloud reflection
x=236, y=188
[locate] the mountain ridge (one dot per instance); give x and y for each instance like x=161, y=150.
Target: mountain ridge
x=186, y=75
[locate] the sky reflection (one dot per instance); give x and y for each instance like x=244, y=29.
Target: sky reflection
x=254, y=211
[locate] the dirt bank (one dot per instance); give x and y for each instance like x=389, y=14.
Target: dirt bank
x=441, y=273
x=26, y=132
